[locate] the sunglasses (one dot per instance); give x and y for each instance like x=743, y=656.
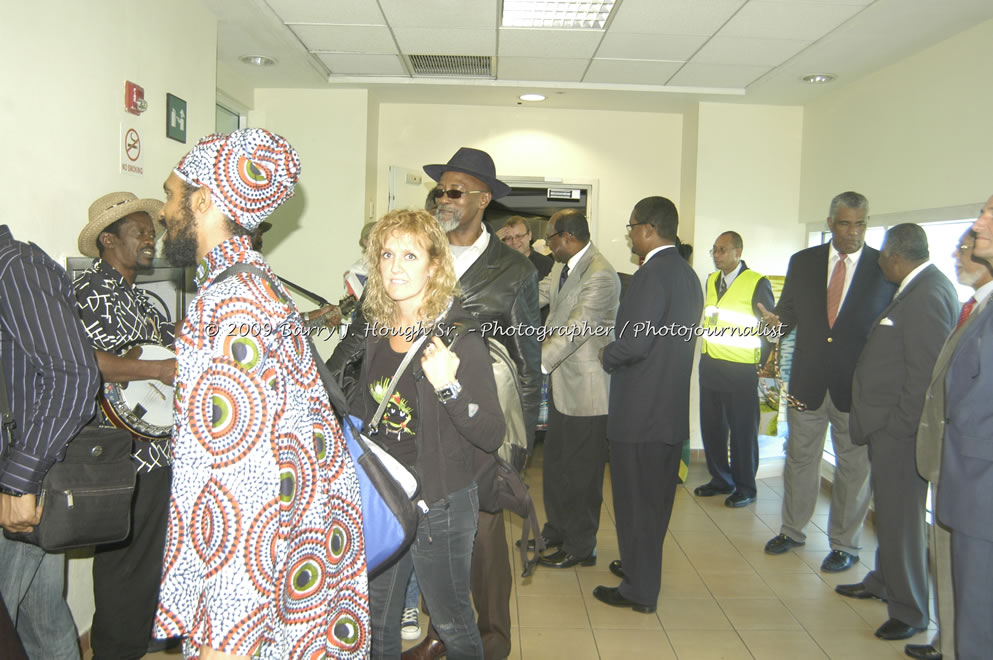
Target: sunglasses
x=438, y=193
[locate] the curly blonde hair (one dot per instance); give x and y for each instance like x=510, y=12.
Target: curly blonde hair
x=441, y=287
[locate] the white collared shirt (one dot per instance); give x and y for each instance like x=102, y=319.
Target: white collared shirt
x=851, y=263
x=466, y=255
x=910, y=278
x=574, y=259
x=655, y=251
x=982, y=293
x=730, y=277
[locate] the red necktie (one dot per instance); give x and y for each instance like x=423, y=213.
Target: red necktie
x=835, y=287
x=966, y=310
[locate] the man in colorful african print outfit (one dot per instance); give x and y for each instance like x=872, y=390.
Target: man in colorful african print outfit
x=265, y=551
x=116, y=315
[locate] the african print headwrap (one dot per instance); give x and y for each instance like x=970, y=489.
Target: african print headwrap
x=250, y=172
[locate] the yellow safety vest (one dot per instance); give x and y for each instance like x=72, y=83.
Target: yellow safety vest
x=731, y=329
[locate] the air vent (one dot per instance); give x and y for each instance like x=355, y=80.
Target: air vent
x=457, y=66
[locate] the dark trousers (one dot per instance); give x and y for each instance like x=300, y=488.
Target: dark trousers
x=126, y=575
x=733, y=416
x=575, y=455
x=900, y=495
x=644, y=478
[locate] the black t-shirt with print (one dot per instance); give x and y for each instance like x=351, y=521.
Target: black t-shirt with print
x=398, y=428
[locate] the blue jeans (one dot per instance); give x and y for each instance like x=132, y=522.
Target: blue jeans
x=413, y=598
x=31, y=583
x=442, y=555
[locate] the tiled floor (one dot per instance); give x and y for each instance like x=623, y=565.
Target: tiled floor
x=722, y=596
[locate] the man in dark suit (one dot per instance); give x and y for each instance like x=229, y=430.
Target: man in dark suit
x=965, y=488
x=582, y=293
x=974, y=273
x=891, y=377
x=729, y=399
x=831, y=296
x=649, y=408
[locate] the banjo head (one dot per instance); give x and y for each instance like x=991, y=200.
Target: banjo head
x=144, y=407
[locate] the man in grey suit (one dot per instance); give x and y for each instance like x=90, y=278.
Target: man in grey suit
x=965, y=488
x=888, y=388
x=582, y=293
x=975, y=273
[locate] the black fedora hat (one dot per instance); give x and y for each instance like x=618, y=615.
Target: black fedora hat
x=473, y=162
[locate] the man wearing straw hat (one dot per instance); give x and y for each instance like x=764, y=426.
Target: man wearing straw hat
x=265, y=555
x=118, y=317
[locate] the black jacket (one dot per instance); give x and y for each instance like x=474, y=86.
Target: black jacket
x=500, y=290
x=446, y=434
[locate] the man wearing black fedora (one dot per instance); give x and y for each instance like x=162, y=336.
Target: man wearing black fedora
x=500, y=286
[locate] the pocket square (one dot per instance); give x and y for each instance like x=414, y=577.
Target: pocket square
x=886, y=321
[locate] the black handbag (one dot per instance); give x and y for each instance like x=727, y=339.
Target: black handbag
x=87, y=494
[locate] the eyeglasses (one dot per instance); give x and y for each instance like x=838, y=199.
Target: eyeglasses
x=454, y=194
x=514, y=237
x=634, y=224
x=721, y=250
x=551, y=236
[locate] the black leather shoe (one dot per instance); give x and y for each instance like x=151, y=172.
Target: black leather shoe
x=548, y=544
x=617, y=569
x=922, y=652
x=612, y=596
x=896, y=629
x=857, y=590
x=781, y=544
x=838, y=561
x=737, y=500
x=563, y=559
x=707, y=490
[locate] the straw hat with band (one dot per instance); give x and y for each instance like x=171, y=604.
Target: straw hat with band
x=109, y=209
x=475, y=163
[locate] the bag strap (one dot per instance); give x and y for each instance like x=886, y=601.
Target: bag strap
x=6, y=417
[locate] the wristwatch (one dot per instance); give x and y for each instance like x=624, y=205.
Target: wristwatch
x=448, y=392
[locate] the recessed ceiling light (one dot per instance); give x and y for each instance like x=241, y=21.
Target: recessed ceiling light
x=532, y=97
x=257, y=60
x=588, y=15
x=817, y=78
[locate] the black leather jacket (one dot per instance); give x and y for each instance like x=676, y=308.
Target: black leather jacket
x=500, y=290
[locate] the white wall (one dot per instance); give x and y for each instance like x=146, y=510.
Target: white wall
x=62, y=116
x=315, y=235
x=631, y=155
x=915, y=135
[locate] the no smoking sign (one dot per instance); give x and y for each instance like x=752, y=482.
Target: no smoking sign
x=132, y=151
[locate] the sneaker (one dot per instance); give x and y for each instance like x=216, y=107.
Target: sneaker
x=410, y=624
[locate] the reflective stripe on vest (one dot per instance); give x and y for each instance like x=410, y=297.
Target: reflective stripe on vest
x=731, y=327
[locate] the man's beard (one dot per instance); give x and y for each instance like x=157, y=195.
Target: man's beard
x=181, y=249
x=452, y=223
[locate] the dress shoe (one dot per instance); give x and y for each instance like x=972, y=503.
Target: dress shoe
x=838, y=561
x=922, y=652
x=707, y=490
x=563, y=559
x=896, y=629
x=617, y=569
x=612, y=596
x=857, y=590
x=781, y=544
x=548, y=544
x=429, y=649
x=738, y=499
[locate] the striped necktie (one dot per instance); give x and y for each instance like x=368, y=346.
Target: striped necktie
x=835, y=287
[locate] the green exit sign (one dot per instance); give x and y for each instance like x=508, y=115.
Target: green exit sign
x=176, y=118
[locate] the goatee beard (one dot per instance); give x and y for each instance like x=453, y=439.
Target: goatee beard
x=181, y=249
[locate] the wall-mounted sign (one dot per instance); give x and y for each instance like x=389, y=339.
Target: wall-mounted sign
x=176, y=118
x=132, y=151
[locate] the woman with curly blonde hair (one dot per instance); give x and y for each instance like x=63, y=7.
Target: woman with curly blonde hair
x=444, y=408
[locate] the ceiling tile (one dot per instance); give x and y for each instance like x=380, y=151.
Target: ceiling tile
x=346, y=38
x=543, y=68
x=440, y=14
x=631, y=72
x=425, y=41
x=353, y=12
x=742, y=50
x=699, y=17
x=354, y=64
x=795, y=20
x=626, y=45
x=525, y=42
x=717, y=75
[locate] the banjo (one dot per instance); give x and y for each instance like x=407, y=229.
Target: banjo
x=143, y=407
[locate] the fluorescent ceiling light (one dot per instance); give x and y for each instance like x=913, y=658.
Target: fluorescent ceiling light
x=570, y=14
x=532, y=97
